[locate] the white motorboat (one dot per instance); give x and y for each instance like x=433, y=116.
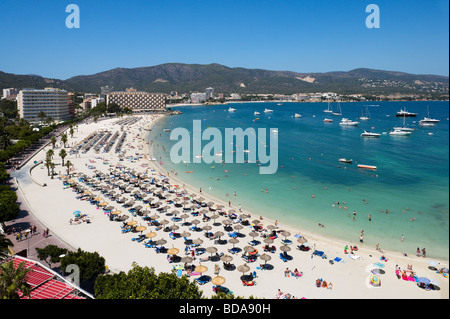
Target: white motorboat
x=370, y=134
x=327, y=120
x=268, y=111
x=347, y=122
x=256, y=113
x=297, y=115
x=231, y=109
x=345, y=160
x=399, y=133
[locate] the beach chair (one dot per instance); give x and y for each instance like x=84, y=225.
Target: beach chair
x=248, y=283
x=203, y=279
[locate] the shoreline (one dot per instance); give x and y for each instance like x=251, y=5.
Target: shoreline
x=120, y=252
x=296, y=229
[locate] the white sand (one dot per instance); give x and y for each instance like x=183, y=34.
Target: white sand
x=53, y=206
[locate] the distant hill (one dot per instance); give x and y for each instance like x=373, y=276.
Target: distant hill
x=196, y=77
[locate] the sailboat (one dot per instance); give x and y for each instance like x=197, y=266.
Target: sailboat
x=367, y=117
x=329, y=110
x=297, y=115
x=428, y=119
x=403, y=128
x=339, y=111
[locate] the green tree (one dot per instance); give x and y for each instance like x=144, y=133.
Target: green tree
x=91, y=264
x=5, y=243
x=48, y=164
x=50, y=254
x=42, y=116
x=64, y=139
x=9, y=209
x=144, y=283
x=53, y=141
x=68, y=165
x=62, y=154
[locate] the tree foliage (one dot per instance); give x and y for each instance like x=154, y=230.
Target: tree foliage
x=90, y=264
x=144, y=283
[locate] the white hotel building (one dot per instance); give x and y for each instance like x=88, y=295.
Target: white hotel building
x=55, y=103
x=138, y=102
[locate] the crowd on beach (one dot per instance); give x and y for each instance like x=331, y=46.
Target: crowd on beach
x=139, y=198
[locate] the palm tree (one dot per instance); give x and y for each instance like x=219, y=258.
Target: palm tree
x=68, y=164
x=71, y=131
x=52, y=166
x=5, y=141
x=12, y=280
x=50, y=153
x=48, y=164
x=64, y=139
x=62, y=154
x=4, y=246
x=53, y=141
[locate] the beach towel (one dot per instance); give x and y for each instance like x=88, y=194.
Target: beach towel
x=355, y=257
x=337, y=259
x=179, y=272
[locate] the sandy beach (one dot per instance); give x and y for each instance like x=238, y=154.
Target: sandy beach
x=54, y=204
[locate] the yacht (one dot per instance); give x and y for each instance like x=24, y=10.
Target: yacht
x=268, y=111
x=428, y=119
x=329, y=110
x=339, y=110
x=231, y=109
x=370, y=134
x=367, y=117
x=256, y=113
x=347, y=122
x=328, y=120
x=297, y=115
x=400, y=133
x=404, y=113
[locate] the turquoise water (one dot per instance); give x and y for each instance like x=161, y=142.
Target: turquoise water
x=411, y=180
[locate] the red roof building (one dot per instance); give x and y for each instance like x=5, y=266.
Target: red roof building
x=46, y=283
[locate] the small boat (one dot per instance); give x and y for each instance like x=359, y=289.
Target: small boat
x=166, y=130
x=428, y=119
x=370, y=134
x=339, y=111
x=371, y=167
x=404, y=129
x=347, y=122
x=256, y=113
x=279, y=104
x=297, y=115
x=345, y=160
x=328, y=120
x=275, y=131
x=426, y=124
x=404, y=113
x=268, y=111
x=328, y=110
x=396, y=132
x=231, y=109
x=367, y=117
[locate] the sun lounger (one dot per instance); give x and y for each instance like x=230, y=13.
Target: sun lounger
x=203, y=279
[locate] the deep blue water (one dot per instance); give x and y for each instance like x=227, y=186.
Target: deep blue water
x=411, y=180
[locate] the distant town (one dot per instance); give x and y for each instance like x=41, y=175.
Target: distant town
x=54, y=104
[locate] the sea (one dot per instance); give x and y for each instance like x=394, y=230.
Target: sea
x=402, y=205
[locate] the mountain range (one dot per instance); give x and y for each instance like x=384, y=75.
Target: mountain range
x=185, y=78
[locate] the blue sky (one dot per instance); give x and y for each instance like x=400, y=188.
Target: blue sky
x=295, y=35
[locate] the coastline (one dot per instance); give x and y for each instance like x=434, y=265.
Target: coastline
x=349, y=278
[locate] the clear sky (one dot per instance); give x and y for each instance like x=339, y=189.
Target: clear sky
x=294, y=35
